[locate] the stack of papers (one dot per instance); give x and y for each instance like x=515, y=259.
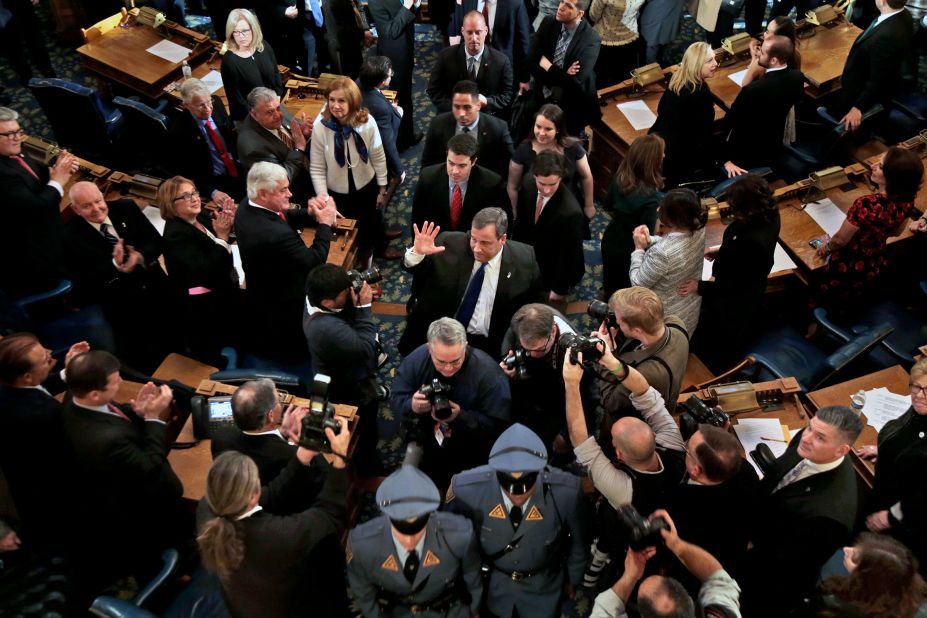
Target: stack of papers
x=755, y=431
x=882, y=406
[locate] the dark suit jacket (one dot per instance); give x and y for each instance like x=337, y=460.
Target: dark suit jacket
x=799, y=528
x=557, y=237
x=873, y=67
x=757, y=117
x=276, y=261
x=576, y=94
x=510, y=34
x=89, y=257
x=30, y=236
x=388, y=121
x=130, y=503
x=191, y=156
x=440, y=281
x=270, y=452
x=495, y=143
x=494, y=78
x=432, y=201
x=396, y=38
x=255, y=143
x=193, y=259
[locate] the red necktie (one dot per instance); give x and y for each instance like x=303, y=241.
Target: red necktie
x=538, y=208
x=220, y=148
x=456, y=207
x=117, y=412
x=486, y=17
x=25, y=166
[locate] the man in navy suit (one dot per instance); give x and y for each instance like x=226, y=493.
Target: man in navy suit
x=30, y=236
x=509, y=31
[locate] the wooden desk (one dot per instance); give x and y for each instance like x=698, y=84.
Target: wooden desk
x=342, y=250
x=120, y=56
x=212, y=62
x=183, y=369
x=895, y=379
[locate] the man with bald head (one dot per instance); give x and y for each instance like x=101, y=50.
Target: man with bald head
x=472, y=59
x=111, y=254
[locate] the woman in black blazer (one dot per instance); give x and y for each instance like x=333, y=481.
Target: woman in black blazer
x=198, y=258
x=732, y=299
x=685, y=119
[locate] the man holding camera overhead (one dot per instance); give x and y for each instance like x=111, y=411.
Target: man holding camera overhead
x=452, y=399
x=342, y=336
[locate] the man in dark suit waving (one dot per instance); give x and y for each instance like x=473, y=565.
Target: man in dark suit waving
x=449, y=194
x=873, y=67
x=276, y=260
x=492, y=134
x=808, y=510
x=562, y=61
x=479, y=278
x=509, y=31
x=474, y=60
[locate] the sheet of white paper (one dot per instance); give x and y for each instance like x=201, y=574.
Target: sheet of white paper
x=826, y=214
x=172, y=52
x=154, y=215
x=781, y=260
x=638, y=114
x=236, y=262
x=883, y=405
x=707, y=265
x=738, y=77
x=751, y=431
x=212, y=80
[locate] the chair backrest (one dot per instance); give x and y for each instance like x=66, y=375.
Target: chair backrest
x=848, y=353
x=100, y=28
x=144, y=139
x=281, y=379
x=79, y=118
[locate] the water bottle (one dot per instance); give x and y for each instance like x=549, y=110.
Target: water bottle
x=187, y=71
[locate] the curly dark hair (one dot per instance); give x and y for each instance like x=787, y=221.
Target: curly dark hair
x=751, y=198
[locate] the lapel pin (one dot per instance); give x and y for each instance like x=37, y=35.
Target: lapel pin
x=508, y=275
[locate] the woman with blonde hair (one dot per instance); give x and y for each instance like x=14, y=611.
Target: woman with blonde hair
x=267, y=559
x=685, y=119
x=348, y=163
x=249, y=62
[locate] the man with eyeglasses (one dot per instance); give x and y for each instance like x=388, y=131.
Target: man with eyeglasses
x=457, y=436
x=30, y=236
x=111, y=255
x=205, y=145
x=479, y=277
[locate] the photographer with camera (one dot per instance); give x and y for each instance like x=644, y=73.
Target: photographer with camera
x=650, y=457
x=718, y=597
x=464, y=406
x=532, y=356
x=272, y=562
x=342, y=337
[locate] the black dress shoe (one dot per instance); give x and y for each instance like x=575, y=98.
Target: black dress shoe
x=393, y=232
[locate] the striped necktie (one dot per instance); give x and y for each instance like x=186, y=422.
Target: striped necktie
x=559, y=55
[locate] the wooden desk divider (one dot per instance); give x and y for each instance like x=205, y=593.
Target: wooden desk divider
x=762, y=397
x=212, y=388
x=633, y=86
x=143, y=186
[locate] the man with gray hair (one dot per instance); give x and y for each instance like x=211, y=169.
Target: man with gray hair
x=270, y=133
x=452, y=399
x=276, y=260
x=204, y=145
x=808, y=507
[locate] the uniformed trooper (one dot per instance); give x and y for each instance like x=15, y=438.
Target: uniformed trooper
x=414, y=561
x=531, y=524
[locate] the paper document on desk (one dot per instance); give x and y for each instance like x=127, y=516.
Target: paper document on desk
x=236, y=262
x=638, y=114
x=154, y=215
x=781, y=260
x=751, y=431
x=212, y=80
x=172, y=52
x=883, y=406
x=738, y=77
x=827, y=215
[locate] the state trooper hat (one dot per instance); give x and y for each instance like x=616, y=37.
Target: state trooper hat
x=518, y=451
x=407, y=494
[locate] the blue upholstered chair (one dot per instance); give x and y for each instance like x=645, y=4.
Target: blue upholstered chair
x=111, y=607
x=143, y=142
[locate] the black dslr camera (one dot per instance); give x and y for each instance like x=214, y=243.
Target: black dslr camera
x=695, y=412
x=437, y=393
x=321, y=415
x=517, y=361
x=592, y=348
x=642, y=533
x=600, y=312
x=359, y=277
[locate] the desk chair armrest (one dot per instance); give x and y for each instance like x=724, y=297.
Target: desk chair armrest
x=61, y=288
x=801, y=155
x=240, y=376
x=904, y=104
x=764, y=362
x=853, y=350
x=720, y=188
x=832, y=328
x=111, y=607
x=170, y=558
x=826, y=115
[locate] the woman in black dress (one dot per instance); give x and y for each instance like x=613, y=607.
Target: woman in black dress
x=249, y=62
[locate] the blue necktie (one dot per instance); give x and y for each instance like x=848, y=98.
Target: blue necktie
x=316, y=12
x=468, y=304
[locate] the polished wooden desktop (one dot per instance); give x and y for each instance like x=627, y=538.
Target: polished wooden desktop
x=790, y=412
x=895, y=379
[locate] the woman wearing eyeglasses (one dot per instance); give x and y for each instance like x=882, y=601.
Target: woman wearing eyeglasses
x=198, y=258
x=250, y=62
x=898, y=504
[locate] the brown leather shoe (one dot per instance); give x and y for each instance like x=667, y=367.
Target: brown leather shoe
x=390, y=253
x=393, y=232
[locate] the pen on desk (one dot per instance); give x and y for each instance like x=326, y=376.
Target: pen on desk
x=773, y=439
